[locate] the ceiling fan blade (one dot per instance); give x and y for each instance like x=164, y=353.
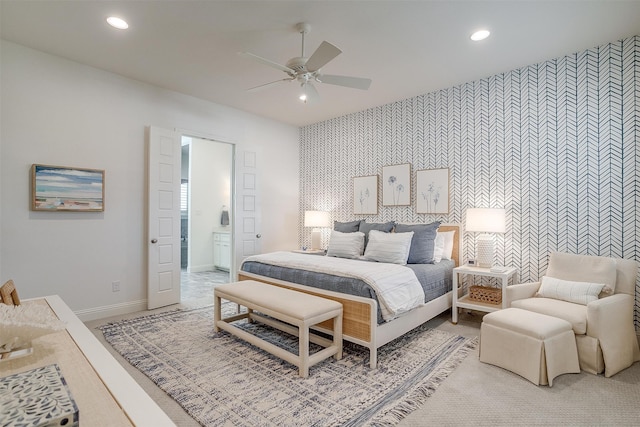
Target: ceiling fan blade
x=323, y=54
x=352, y=82
x=266, y=62
x=311, y=93
x=266, y=85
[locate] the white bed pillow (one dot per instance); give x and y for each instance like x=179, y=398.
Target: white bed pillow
x=388, y=247
x=346, y=245
x=565, y=290
x=443, y=245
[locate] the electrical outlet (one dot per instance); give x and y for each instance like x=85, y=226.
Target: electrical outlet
x=115, y=286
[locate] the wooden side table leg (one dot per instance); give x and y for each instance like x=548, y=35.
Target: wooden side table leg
x=454, y=306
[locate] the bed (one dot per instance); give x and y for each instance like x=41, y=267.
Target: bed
x=362, y=318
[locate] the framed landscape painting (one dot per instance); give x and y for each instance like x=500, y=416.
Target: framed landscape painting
x=59, y=188
x=433, y=191
x=365, y=195
x=396, y=185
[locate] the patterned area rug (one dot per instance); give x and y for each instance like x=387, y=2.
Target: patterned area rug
x=221, y=380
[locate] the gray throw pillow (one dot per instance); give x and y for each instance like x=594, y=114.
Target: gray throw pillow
x=423, y=242
x=365, y=227
x=347, y=227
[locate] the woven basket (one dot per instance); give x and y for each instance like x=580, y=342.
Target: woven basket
x=485, y=294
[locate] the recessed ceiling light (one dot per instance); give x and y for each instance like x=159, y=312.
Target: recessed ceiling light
x=118, y=23
x=480, y=35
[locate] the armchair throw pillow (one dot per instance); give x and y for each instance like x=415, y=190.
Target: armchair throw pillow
x=565, y=290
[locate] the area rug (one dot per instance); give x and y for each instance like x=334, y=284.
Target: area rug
x=221, y=380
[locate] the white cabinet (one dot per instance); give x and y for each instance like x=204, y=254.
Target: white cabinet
x=222, y=250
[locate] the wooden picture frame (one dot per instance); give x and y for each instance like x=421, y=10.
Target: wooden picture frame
x=432, y=191
x=365, y=195
x=396, y=185
x=61, y=188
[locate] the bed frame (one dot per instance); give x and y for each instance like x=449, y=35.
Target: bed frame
x=360, y=324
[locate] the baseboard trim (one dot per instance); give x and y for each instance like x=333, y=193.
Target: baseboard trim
x=111, y=310
x=200, y=268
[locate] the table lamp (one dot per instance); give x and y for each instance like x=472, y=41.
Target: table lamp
x=316, y=219
x=485, y=221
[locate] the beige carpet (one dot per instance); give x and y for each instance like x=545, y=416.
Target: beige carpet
x=480, y=394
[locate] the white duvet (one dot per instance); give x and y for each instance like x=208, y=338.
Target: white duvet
x=396, y=286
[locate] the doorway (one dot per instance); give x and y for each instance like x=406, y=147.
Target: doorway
x=206, y=216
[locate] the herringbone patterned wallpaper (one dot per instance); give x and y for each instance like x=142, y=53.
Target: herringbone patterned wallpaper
x=557, y=144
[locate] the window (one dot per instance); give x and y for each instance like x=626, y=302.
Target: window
x=184, y=196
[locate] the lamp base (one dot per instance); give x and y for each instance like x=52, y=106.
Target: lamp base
x=315, y=239
x=485, y=249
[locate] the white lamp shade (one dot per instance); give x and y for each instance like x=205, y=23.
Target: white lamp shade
x=316, y=219
x=486, y=220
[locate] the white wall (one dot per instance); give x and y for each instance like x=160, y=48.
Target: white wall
x=63, y=113
x=210, y=184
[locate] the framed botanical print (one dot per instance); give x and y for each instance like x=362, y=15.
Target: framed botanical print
x=432, y=188
x=365, y=195
x=396, y=185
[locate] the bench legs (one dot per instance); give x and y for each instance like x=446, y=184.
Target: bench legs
x=303, y=360
x=303, y=352
x=217, y=313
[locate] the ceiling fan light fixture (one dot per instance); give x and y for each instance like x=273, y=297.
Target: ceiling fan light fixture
x=306, y=70
x=118, y=23
x=303, y=94
x=480, y=35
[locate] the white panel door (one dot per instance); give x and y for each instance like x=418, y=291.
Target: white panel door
x=247, y=212
x=163, y=235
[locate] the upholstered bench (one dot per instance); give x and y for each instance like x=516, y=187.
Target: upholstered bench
x=535, y=346
x=290, y=311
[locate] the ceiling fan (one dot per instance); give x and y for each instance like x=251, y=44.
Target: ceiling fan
x=307, y=70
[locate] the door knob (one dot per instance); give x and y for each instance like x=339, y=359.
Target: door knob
x=154, y=240
x=258, y=236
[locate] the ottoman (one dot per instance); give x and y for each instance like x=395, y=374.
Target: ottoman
x=535, y=346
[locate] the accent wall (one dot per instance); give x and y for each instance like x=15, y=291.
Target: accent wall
x=557, y=144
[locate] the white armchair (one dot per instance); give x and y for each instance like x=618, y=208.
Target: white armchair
x=604, y=329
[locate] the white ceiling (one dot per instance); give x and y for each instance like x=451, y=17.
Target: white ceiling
x=407, y=48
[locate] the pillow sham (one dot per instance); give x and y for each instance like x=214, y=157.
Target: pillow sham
x=438, y=247
x=347, y=227
x=388, y=247
x=365, y=227
x=565, y=290
x=423, y=242
x=443, y=245
x=584, y=268
x=346, y=245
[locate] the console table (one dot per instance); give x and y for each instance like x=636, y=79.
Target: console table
x=105, y=393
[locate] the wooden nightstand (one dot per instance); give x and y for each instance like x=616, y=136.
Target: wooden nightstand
x=465, y=302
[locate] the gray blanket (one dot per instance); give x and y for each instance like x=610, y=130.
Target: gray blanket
x=434, y=278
